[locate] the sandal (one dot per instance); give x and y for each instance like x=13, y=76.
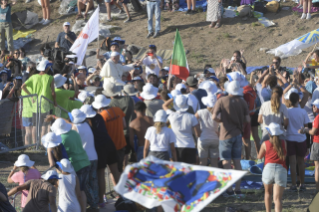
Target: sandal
x=78, y=16
x=85, y=16
x=212, y=25
x=217, y=25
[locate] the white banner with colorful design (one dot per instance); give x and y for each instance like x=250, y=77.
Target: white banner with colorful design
x=296, y=46
x=176, y=186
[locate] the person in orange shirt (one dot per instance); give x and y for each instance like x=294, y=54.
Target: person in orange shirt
x=115, y=123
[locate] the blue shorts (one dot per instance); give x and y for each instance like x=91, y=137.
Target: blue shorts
x=27, y=122
x=230, y=148
x=107, y=1
x=83, y=175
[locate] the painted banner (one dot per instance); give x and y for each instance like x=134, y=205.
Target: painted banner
x=89, y=33
x=173, y=185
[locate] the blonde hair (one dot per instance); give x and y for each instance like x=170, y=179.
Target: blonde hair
x=24, y=169
x=277, y=147
x=159, y=126
x=275, y=102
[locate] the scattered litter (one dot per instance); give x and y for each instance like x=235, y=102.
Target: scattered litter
x=258, y=14
x=285, y=8
x=230, y=12
x=264, y=21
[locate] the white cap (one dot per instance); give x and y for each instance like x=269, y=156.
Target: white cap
x=209, y=100
x=181, y=103
x=233, y=88
x=78, y=116
x=24, y=160
x=166, y=68
x=180, y=86
x=51, y=174
x=149, y=91
x=60, y=126
x=92, y=70
x=66, y=166
x=101, y=101
x=66, y=24
x=138, y=78
x=234, y=76
x=274, y=129
x=88, y=110
x=211, y=70
x=43, y=65
x=51, y=140
x=160, y=116
x=81, y=67
x=210, y=87
x=114, y=54
x=59, y=80
x=71, y=63
x=83, y=95
x=292, y=90
x=316, y=103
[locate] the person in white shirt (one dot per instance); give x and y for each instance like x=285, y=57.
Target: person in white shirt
x=191, y=99
x=183, y=124
x=208, y=142
x=160, y=139
x=152, y=62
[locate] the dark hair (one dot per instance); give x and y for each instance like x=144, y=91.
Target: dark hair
x=272, y=81
x=45, y=46
x=316, y=52
x=294, y=98
x=222, y=81
x=183, y=91
x=140, y=106
x=278, y=90
x=164, y=95
x=129, y=53
x=140, y=86
x=237, y=52
x=277, y=58
x=153, y=47
x=152, y=75
x=302, y=76
x=23, y=50
x=57, y=152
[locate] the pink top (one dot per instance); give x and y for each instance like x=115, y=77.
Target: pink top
x=19, y=177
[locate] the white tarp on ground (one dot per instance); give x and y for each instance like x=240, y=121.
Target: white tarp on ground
x=296, y=46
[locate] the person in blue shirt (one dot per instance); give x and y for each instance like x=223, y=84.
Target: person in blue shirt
x=6, y=26
x=114, y=47
x=66, y=38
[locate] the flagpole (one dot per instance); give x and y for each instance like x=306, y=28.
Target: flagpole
x=170, y=70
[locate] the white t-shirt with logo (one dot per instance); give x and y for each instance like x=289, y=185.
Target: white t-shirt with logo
x=160, y=141
x=151, y=65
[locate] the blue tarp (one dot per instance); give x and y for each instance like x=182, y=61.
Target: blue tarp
x=199, y=4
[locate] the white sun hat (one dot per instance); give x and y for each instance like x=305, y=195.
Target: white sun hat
x=181, y=103
x=66, y=166
x=92, y=70
x=66, y=24
x=149, y=91
x=51, y=140
x=101, y=101
x=24, y=160
x=51, y=174
x=43, y=65
x=81, y=67
x=209, y=100
x=130, y=90
x=160, y=116
x=83, y=95
x=274, y=129
x=293, y=90
x=59, y=80
x=316, y=103
x=111, y=89
x=114, y=54
x=180, y=86
x=175, y=93
x=78, y=116
x=210, y=87
x=233, y=88
x=88, y=111
x=60, y=126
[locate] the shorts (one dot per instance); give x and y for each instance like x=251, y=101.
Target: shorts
x=254, y=120
x=125, y=1
x=107, y=1
x=27, y=122
x=314, y=152
x=230, y=148
x=120, y=157
x=128, y=147
x=246, y=133
x=208, y=148
x=163, y=155
x=274, y=174
x=35, y=117
x=186, y=155
x=83, y=175
x=106, y=157
x=296, y=148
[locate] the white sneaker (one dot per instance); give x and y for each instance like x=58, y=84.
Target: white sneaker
x=41, y=22
x=46, y=22
x=303, y=16
x=308, y=16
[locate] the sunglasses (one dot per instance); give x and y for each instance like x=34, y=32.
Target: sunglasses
x=17, y=53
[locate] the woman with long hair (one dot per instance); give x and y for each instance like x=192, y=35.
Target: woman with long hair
x=274, y=174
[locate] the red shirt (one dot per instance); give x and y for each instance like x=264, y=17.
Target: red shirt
x=271, y=154
x=315, y=124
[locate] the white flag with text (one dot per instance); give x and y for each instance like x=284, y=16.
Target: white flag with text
x=89, y=33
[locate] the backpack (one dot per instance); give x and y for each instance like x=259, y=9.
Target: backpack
x=244, y=10
x=259, y=7
x=250, y=97
x=105, y=45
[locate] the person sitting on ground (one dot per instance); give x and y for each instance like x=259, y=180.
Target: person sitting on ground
x=274, y=174
x=159, y=139
x=138, y=128
x=27, y=172
x=149, y=95
x=152, y=62
x=4, y=200
x=238, y=57
x=69, y=189
x=66, y=38
x=84, y=5
x=42, y=192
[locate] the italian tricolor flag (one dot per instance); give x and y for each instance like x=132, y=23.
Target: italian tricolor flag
x=179, y=65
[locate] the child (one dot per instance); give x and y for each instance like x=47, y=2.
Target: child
x=275, y=169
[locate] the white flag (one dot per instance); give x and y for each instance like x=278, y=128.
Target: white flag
x=89, y=33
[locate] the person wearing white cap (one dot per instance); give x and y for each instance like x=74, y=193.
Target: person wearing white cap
x=159, y=139
x=69, y=189
x=112, y=71
x=208, y=141
x=191, y=99
x=149, y=95
x=274, y=174
x=41, y=84
x=105, y=149
x=83, y=95
x=42, y=192
x=27, y=172
x=209, y=72
x=66, y=38
x=231, y=112
x=183, y=124
x=62, y=95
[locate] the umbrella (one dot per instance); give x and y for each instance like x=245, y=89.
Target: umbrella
x=25, y=19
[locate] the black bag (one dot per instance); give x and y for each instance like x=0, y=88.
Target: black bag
x=125, y=204
x=259, y=7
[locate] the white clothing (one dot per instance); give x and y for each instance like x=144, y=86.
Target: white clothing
x=68, y=201
x=87, y=138
x=208, y=126
x=151, y=65
x=298, y=118
x=114, y=72
x=193, y=102
x=308, y=109
x=160, y=142
x=182, y=124
x=315, y=94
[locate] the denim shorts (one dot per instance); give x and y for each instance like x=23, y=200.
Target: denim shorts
x=27, y=122
x=274, y=173
x=230, y=148
x=107, y=1
x=83, y=175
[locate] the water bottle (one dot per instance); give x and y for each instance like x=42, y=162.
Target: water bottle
x=104, y=198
